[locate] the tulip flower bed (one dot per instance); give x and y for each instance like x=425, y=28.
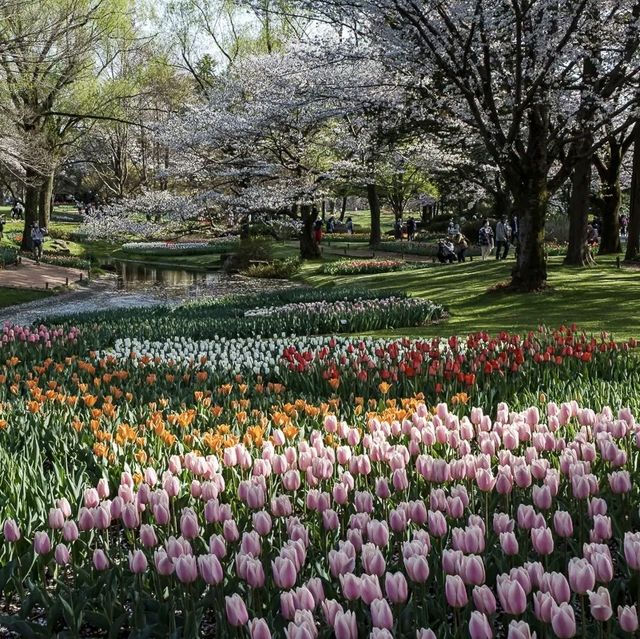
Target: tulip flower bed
x=220, y=245
x=309, y=312
x=160, y=481
x=362, y=267
x=434, y=525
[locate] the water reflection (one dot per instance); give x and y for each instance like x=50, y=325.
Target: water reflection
x=134, y=276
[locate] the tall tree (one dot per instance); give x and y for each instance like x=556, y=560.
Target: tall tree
x=505, y=65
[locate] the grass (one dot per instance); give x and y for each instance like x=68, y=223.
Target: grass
x=12, y=296
x=601, y=298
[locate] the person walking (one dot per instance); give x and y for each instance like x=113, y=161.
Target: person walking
x=460, y=246
x=485, y=239
x=349, y=226
x=317, y=231
x=503, y=238
x=411, y=228
x=37, y=238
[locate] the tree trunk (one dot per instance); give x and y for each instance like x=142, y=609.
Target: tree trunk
x=578, y=253
x=32, y=192
x=610, y=200
x=531, y=193
x=374, y=206
x=44, y=201
x=309, y=248
x=633, y=242
x=343, y=208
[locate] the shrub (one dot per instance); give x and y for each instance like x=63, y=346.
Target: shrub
x=278, y=269
x=361, y=267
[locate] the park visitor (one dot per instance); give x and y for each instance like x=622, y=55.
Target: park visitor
x=453, y=229
x=411, y=228
x=331, y=224
x=37, y=238
x=503, y=238
x=460, y=246
x=397, y=227
x=624, y=225
x=593, y=237
x=2, y=221
x=446, y=252
x=349, y=225
x=317, y=231
x=485, y=239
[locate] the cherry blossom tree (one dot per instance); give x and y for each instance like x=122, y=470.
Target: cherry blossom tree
x=514, y=71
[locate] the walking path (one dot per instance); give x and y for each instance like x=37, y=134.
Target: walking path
x=30, y=274
x=103, y=294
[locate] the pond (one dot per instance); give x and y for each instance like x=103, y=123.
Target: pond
x=134, y=276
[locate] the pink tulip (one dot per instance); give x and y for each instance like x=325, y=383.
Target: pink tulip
x=164, y=565
x=330, y=609
x=600, y=604
x=543, y=604
x=102, y=488
x=70, y=531
x=582, y=576
x=61, y=555
x=261, y=522
x=186, y=569
x=137, y=562
x=520, y=630
x=100, y=561
x=56, y=518
x=455, y=592
x=236, y=611
x=370, y=588
x=148, y=536
x=284, y=573
x=330, y=520
x=189, y=526
x=85, y=519
x=479, y=626
x=472, y=570
x=41, y=543
x=632, y=550
x=64, y=506
x=210, y=569
x=258, y=629
x=130, y=516
x=11, y=531
x=218, y=546
x=381, y=615
x=351, y=586
x=417, y=568
x=513, y=598
x=563, y=621
x=563, y=524
x=230, y=530
x=396, y=587
x=378, y=532
x=437, y=523
x=628, y=618
x=542, y=541
x=484, y=600
x=345, y=625
x=425, y=633
x=509, y=544
x=91, y=498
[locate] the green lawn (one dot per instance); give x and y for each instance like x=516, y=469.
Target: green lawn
x=11, y=296
x=597, y=299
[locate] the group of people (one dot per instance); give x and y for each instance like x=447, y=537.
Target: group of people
x=330, y=226
x=505, y=235
x=454, y=247
x=17, y=211
x=408, y=228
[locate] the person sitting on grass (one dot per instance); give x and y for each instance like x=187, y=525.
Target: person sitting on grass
x=37, y=238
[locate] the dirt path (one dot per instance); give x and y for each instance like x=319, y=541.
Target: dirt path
x=29, y=274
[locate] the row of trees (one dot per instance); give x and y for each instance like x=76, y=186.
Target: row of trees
x=266, y=107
